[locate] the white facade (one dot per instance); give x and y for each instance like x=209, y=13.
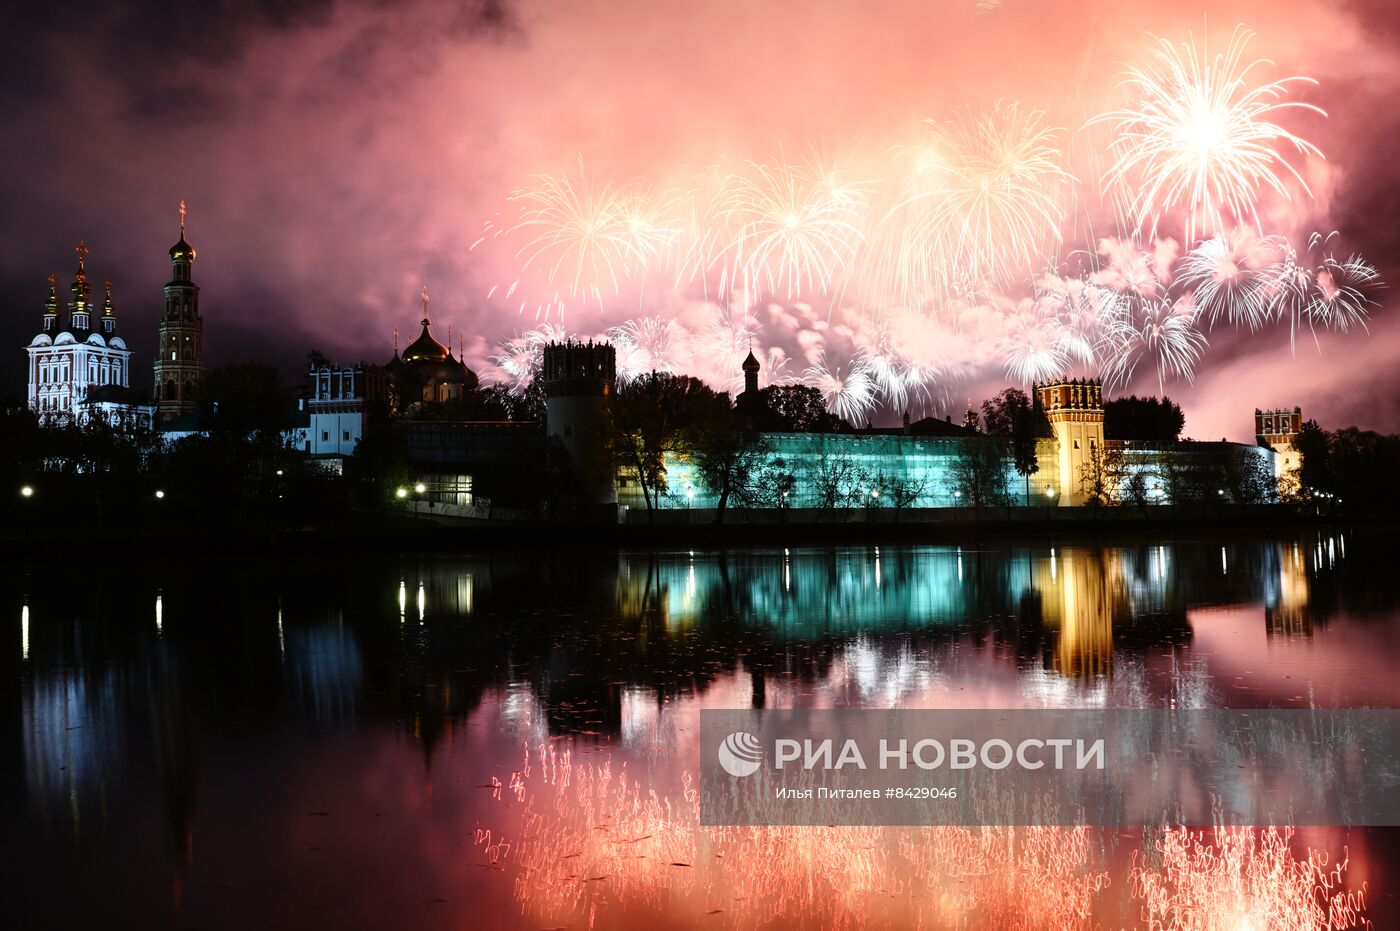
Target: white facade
x=69, y=365
x=337, y=409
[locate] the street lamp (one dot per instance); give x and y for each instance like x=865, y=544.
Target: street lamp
x=401, y=492
x=26, y=491
x=159, y=494
x=420, y=488
x=1049, y=491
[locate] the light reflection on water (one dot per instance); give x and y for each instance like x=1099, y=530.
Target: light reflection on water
x=515, y=735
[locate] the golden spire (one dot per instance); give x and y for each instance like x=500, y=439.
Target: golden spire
x=396, y=341
x=449, y=338
x=51, y=305
x=107, y=305
x=182, y=218
x=82, y=250
x=425, y=305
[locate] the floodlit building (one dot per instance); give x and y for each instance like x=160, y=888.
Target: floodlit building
x=81, y=367
x=337, y=409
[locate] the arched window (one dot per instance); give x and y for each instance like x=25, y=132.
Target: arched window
x=171, y=393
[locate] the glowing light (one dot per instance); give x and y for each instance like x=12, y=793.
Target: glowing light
x=419, y=488
x=26, y=491
x=159, y=494
x=1199, y=136
x=24, y=632
x=160, y=612
x=400, y=492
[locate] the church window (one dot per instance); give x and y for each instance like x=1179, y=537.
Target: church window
x=172, y=355
x=325, y=436
x=1076, y=444
x=345, y=435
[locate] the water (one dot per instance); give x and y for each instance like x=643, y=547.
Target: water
x=423, y=741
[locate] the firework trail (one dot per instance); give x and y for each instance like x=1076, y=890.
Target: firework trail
x=1199, y=136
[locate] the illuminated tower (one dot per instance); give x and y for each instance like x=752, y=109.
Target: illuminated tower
x=179, y=364
x=579, y=380
x=1278, y=430
x=1075, y=411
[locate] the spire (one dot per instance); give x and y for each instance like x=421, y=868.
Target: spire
x=109, y=313
x=449, y=338
x=182, y=253
x=80, y=289
x=425, y=305
x=51, y=305
x=396, y=342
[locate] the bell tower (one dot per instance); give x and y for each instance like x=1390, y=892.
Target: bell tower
x=1075, y=411
x=179, y=367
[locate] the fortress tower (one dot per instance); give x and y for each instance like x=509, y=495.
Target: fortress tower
x=1278, y=430
x=1075, y=411
x=579, y=380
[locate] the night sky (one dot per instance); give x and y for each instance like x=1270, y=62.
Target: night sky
x=338, y=156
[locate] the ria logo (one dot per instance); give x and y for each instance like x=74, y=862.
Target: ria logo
x=740, y=754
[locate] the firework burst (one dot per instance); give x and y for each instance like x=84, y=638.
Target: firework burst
x=1161, y=331
x=1233, y=277
x=1317, y=289
x=979, y=198
x=849, y=392
x=1200, y=136
x=796, y=227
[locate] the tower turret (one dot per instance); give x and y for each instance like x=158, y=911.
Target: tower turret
x=1074, y=408
x=179, y=366
x=579, y=380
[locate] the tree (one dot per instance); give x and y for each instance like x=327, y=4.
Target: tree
x=979, y=471
x=1134, y=418
x=654, y=416
x=1315, y=459
x=902, y=492
x=796, y=409
x=774, y=485
x=727, y=453
x=1011, y=416
x=1249, y=479
x=835, y=479
x=1102, y=476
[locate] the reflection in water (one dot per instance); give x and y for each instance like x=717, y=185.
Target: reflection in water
x=574, y=684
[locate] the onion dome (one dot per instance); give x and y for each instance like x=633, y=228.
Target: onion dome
x=751, y=364
x=425, y=349
x=182, y=251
